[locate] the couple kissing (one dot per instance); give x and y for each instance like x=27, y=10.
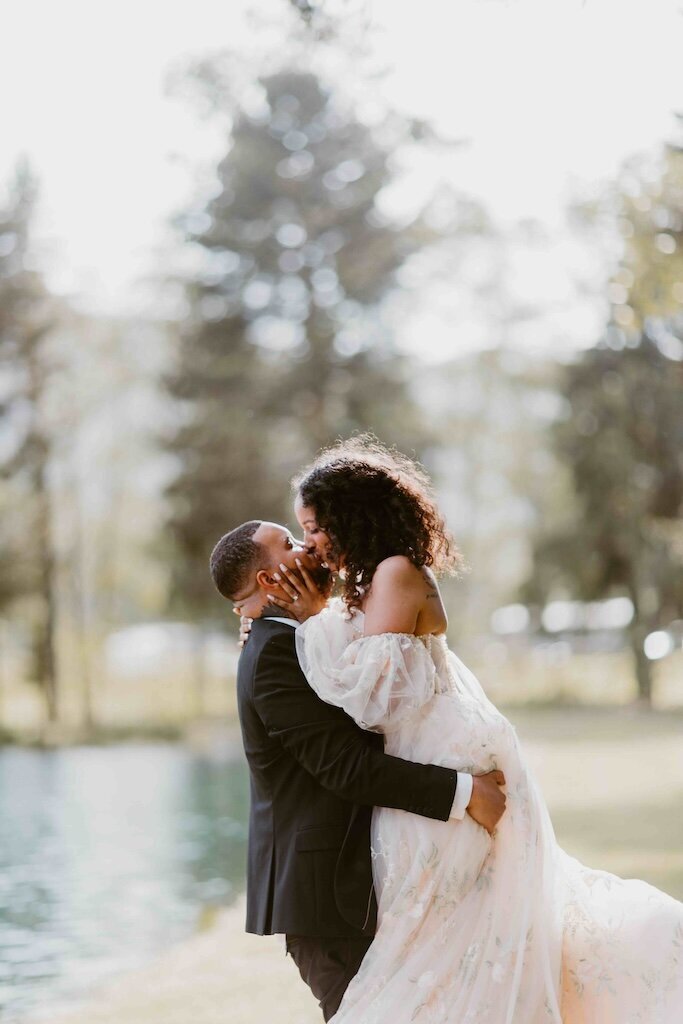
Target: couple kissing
x=397, y=837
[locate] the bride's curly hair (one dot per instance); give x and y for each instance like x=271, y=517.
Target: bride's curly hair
x=374, y=502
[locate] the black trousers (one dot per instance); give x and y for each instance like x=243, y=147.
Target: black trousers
x=327, y=966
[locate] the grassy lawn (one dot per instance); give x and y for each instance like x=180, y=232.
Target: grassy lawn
x=613, y=780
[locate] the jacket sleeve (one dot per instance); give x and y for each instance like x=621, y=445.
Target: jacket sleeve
x=328, y=744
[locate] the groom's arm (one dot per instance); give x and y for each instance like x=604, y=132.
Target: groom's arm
x=331, y=747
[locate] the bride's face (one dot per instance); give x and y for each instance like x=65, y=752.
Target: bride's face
x=315, y=540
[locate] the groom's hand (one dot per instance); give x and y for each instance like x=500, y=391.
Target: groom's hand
x=487, y=802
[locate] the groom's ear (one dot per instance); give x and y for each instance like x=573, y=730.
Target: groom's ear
x=265, y=580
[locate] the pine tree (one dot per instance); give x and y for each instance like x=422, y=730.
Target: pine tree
x=26, y=317
x=283, y=350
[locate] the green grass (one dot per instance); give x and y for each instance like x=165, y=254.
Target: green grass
x=613, y=780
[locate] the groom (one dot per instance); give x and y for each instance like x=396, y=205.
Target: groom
x=315, y=776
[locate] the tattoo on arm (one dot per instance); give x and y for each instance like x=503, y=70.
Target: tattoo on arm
x=432, y=593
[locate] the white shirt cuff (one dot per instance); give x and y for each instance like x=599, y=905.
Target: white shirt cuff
x=463, y=795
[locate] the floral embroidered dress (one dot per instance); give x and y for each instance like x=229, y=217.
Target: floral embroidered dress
x=474, y=929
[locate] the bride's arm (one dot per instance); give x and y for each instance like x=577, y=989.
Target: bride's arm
x=394, y=602
x=395, y=598
x=384, y=675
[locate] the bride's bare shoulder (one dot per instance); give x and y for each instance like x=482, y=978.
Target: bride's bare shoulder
x=402, y=591
x=398, y=570
x=393, y=602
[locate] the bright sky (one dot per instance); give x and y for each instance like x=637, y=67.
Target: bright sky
x=548, y=92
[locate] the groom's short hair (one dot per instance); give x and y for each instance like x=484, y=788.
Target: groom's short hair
x=235, y=558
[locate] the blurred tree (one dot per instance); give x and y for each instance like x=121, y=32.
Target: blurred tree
x=307, y=10
x=26, y=317
x=623, y=435
x=106, y=479
x=490, y=411
x=334, y=20
x=648, y=286
x=284, y=348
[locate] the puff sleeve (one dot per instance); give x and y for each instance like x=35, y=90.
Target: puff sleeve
x=378, y=680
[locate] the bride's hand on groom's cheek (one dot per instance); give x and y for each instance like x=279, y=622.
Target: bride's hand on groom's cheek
x=301, y=596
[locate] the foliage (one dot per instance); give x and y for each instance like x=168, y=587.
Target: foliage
x=623, y=434
x=648, y=286
x=496, y=474
x=26, y=317
x=284, y=348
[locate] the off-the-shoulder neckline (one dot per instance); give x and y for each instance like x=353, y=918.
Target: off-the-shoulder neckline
x=410, y=636
x=415, y=636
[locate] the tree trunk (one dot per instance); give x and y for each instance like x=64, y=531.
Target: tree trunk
x=85, y=626
x=645, y=612
x=643, y=665
x=4, y=669
x=45, y=639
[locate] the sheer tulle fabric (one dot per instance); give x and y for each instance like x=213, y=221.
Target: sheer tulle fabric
x=474, y=929
x=379, y=681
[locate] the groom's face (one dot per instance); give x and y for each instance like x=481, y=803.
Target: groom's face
x=282, y=549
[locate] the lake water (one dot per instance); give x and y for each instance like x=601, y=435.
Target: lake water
x=107, y=856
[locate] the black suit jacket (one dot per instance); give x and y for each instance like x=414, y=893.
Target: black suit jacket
x=315, y=776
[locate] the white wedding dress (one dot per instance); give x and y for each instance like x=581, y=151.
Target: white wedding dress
x=474, y=929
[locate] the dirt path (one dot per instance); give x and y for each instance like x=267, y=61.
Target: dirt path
x=222, y=976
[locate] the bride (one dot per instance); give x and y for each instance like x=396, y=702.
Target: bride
x=472, y=928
